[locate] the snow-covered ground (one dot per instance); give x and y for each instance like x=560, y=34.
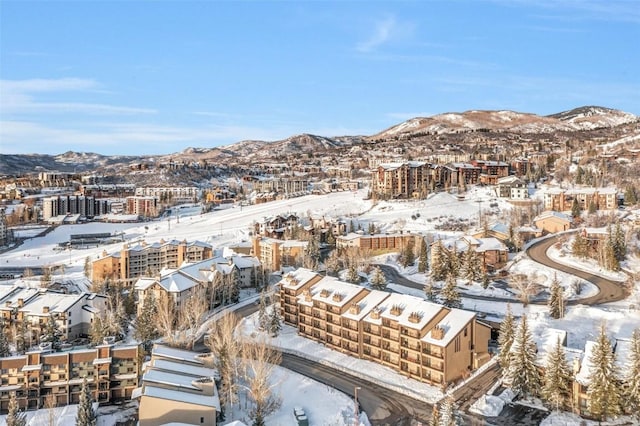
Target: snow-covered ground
x=424, y=216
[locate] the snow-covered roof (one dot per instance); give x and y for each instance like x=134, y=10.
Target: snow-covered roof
x=550, y=213
x=181, y=368
x=169, y=378
x=334, y=292
x=452, y=324
x=623, y=353
x=177, y=395
x=424, y=311
x=295, y=279
x=175, y=354
x=365, y=305
x=144, y=283
x=56, y=302
x=582, y=376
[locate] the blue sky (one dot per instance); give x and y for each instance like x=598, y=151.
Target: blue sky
x=143, y=77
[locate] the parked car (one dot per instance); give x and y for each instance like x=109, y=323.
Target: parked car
x=301, y=416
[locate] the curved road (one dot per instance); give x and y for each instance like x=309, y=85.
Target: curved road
x=609, y=290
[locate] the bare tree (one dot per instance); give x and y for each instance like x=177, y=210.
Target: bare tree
x=226, y=350
x=190, y=316
x=525, y=286
x=260, y=361
x=50, y=405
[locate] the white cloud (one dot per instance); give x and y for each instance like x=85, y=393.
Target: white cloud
x=20, y=97
x=384, y=30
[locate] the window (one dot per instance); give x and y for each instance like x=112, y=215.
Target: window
x=201, y=419
x=457, y=344
x=465, y=330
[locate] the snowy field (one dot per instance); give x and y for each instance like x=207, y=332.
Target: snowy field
x=222, y=227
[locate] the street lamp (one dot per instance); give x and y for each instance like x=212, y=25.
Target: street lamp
x=357, y=405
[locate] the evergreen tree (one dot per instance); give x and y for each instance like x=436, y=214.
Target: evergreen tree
x=523, y=374
x=435, y=416
x=505, y=339
x=85, y=416
x=352, y=226
x=15, y=417
x=580, y=246
x=632, y=378
x=592, y=207
x=485, y=280
x=275, y=325
x=146, y=330
x=352, y=275
x=619, y=243
x=378, y=280
x=429, y=291
x=408, y=256
x=471, y=268
x=453, y=262
x=4, y=342
x=575, y=208
x=52, y=333
x=263, y=319
x=312, y=253
x=449, y=293
x=439, y=266
x=331, y=239
x=556, y=299
x=423, y=259
x=557, y=377
x=22, y=337
x=603, y=391
x=96, y=330
x=630, y=196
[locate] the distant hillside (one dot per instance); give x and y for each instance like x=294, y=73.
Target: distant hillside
x=584, y=118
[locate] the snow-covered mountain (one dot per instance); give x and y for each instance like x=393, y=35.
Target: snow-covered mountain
x=584, y=118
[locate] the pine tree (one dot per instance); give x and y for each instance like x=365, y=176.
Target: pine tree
x=575, y=208
x=423, y=259
x=312, y=253
x=352, y=275
x=556, y=299
x=453, y=262
x=557, y=377
x=275, y=325
x=22, y=337
x=408, y=256
x=580, y=246
x=619, y=243
x=15, y=417
x=471, y=268
x=632, y=378
x=4, y=342
x=146, y=330
x=96, y=330
x=505, y=338
x=87, y=267
x=263, y=319
x=52, y=333
x=603, y=391
x=378, y=280
x=331, y=239
x=439, y=265
x=630, y=196
x=449, y=293
x=592, y=207
x=85, y=416
x=523, y=374
x=429, y=291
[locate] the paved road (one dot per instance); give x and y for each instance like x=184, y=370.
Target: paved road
x=610, y=291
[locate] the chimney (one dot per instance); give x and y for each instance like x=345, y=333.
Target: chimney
x=354, y=309
x=375, y=313
x=415, y=317
x=337, y=297
x=437, y=332
x=325, y=292
x=396, y=310
x=20, y=303
x=45, y=309
x=307, y=295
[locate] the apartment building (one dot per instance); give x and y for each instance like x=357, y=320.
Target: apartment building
x=174, y=194
x=552, y=221
x=512, y=187
x=401, y=180
x=103, y=190
x=177, y=387
x=6, y=235
x=275, y=254
x=194, y=278
x=73, y=313
x=143, y=206
x=378, y=242
x=276, y=226
x=74, y=204
x=148, y=259
x=111, y=370
x=423, y=340
x=560, y=199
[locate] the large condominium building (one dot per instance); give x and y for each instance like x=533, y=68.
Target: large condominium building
x=401, y=180
x=423, y=340
x=378, y=242
x=559, y=199
x=173, y=194
x=73, y=313
x=111, y=372
x=274, y=254
x=143, y=206
x=148, y=259
x=74, y=204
